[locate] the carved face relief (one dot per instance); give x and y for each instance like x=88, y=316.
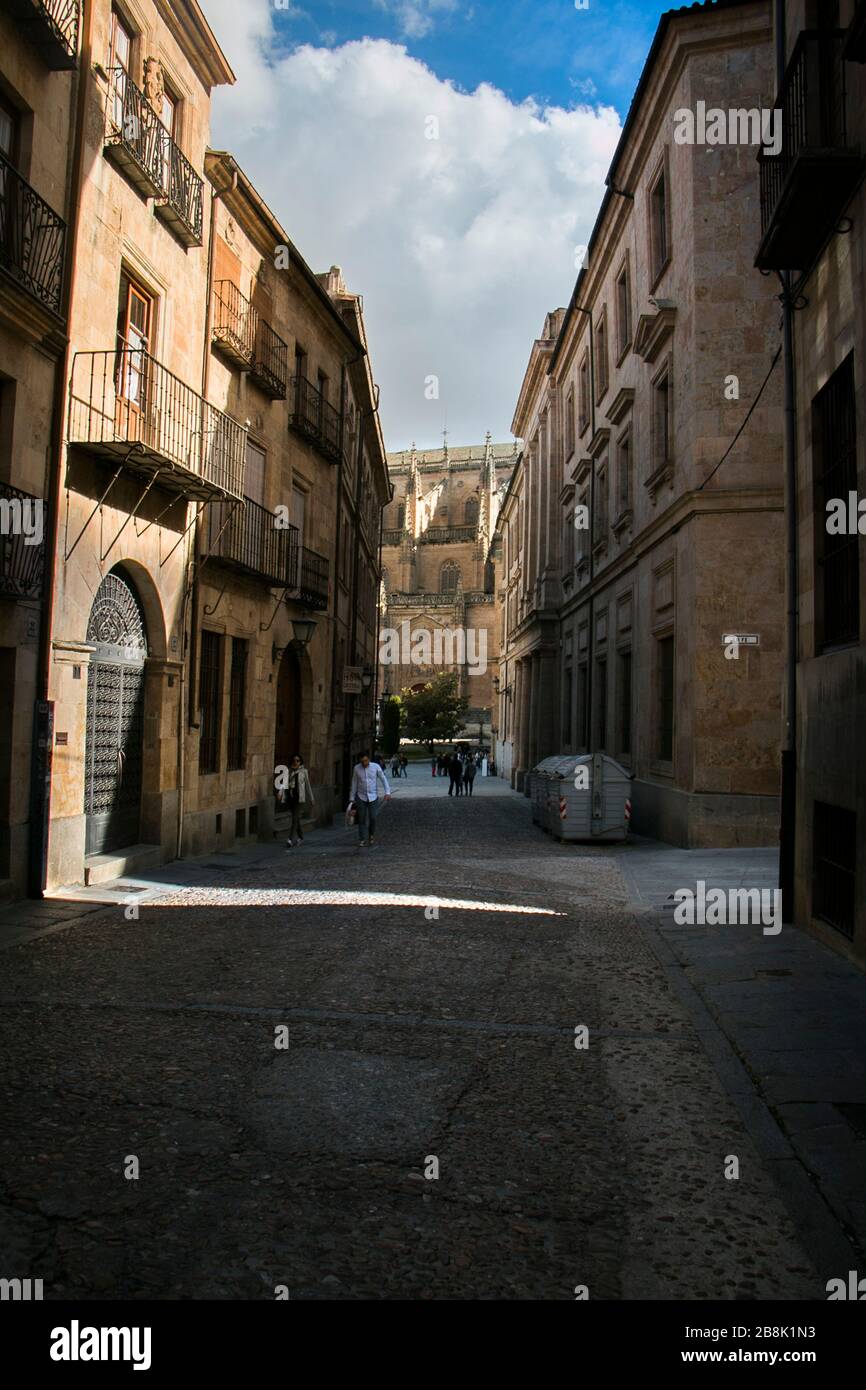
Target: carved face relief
x=154, y=83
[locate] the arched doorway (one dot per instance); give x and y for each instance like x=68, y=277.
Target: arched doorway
x=115, y=716
x=287, y=734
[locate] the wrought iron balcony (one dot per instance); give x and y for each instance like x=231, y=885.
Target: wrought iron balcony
x=32, y=239
x=23, y=523
x=247, y=538
x=313, y=580
x=806, y=186
x=181, y=208
x=52, y=27
x=247, y=341
x=135, y=136
x=127, y=405
x=315, y=419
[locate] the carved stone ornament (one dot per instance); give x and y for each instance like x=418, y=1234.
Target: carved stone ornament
x=154, y=84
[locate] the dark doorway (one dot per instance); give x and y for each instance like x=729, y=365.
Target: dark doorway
x=287, y=736
x=115, y=716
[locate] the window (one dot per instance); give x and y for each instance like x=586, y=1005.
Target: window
x=601, y=702
x=581, y=705
x=8, y=135
x=567, y=714
x=254, y=473
x=322, y=383
x=568, y=544
x=135, y=315
x=583, y=531
x=602, y=376
x=837, y=556
x=662, y=419
x=601, y=520
x=623, y=473
x=237, y=703
x=834, y=831
x=300, y=363
x=623, y=703
x=299, y=508
x=210, y=680
x=448, y=577
x=665, y=700
x=569, y=424
x=623, y=310
x=659, y=220
x=470, y=512
x=120, y=64
x=583, y=394
x=401, y=516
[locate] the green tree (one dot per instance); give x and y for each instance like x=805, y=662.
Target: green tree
x=436, y=713
x=392, y=719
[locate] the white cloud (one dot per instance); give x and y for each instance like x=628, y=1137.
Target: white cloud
x=416, y=18
x=459, y=245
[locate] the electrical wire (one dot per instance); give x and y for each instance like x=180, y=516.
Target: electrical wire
x=745, y=421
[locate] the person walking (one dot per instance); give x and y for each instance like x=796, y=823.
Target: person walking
x=435, y=765
x=395, y=766
x=404, y=765
x=484, y=766
x=299, y=795
x=469, y=775
x=368, y=780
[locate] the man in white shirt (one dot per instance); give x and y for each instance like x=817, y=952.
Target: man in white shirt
x=367, y=781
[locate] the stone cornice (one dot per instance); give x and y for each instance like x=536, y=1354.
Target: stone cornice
x=653, y=331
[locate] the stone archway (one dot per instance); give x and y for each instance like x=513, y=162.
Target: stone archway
x=115, y=716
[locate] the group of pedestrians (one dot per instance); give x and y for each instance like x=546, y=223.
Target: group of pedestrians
x=399, y=765
x=462, y=767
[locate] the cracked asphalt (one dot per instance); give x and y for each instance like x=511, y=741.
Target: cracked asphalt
x=414, y=1043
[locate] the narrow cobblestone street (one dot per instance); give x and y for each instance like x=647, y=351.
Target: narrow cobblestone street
x=411, y=1037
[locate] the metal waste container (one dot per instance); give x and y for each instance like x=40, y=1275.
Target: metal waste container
x=538, y=778
x=598, y=807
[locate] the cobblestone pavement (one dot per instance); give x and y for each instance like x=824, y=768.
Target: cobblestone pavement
x=411, y=1038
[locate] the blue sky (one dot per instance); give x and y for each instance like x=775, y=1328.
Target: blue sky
x=459, y=244
x=546, y=49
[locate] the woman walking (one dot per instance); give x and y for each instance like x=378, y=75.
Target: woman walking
x=299, y=794
x=368, y=780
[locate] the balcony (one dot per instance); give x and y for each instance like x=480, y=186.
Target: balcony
x=312, y=589
x=247, y=341
x=181, y=207
x=32, y=239
x=51, y=26
x=806, y=186
x=139, y=144
x=126, y=405
x=316, y=420
x=23, y=522
x=392, y=536
x=247, y=538
x=439, y=535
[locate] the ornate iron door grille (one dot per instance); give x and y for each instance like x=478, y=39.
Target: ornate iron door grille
x=115, y=718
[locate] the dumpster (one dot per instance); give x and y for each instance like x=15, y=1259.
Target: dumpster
x=600, y=810
x=538, y=788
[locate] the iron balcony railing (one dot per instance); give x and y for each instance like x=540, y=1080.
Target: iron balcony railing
x=135, y=135
x=52, y=27
x=23, y=524
x=140, y=145
x=315, y=419
x=246, y=340
x=392, y=536
x=127, y=404
x=247, y=537
x=804, y=186
x=32, y=239
x=182, y=206
x=313, y=580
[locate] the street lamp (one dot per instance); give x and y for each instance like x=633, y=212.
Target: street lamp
x=303, y=629
x=367, y=677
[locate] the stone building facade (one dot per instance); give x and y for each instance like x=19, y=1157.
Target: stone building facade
x=651, y=554
x=218, y=477
x=813, y=207
x=438, y=571
x=39, y=79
